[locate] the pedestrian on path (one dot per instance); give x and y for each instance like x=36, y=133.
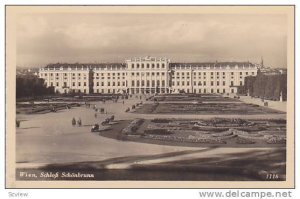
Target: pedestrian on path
x=73, y=122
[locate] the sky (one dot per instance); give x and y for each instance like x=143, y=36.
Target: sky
x=93, y=38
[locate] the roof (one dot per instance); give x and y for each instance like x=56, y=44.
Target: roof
x=87, y=65
x=212, y=64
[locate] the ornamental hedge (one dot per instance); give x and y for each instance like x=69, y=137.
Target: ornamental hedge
x=265, y=86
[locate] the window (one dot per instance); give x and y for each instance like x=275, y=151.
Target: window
x=153, y=74
x=102, y=84
x=223, y=83
x=73, y=84
x=108, y=83
x=84, y=83
x=241, y=73
x=114, y=83
x=142, y=65
x=148, y=83
x=162, y=73
x=231, y=73
x=217, y=83
x=132, y=65
x=157, y=65
x=231, y=83
x=138, y=83
x=132, y=83
x=204, y=83
x=97, y=83
x=65, y=84
x=211, y=83
x=163, y=83
x=212, y=90
x=182, y=83
x=153, y=83
x=187, y=83
x=163, y=66
x=241, y=83
x=153, y=65
x=211, y=73
x=148, y=66
x=79, y=83
x=137, y=65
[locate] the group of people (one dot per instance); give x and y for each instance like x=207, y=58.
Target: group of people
x=79, y=123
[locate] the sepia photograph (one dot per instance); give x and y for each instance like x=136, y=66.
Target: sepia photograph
x=150, y=96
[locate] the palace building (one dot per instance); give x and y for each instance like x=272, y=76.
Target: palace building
x=148, y=75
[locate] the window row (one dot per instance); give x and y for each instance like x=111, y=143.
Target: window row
x=148, y=65
x=148, y=83
x=147, y=74
x=111, y=84
x=65, y=84
x=204, y=83
x=211, y=73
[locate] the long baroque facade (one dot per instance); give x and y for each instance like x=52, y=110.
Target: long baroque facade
x=148, y=75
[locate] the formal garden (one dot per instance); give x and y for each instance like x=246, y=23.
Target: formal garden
x=206, y=132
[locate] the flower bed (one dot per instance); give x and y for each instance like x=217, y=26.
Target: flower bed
x=158, y=132
x=132, y=127
x=276, y=140
x=244, y=141
x=182, y=139
x=158, y=120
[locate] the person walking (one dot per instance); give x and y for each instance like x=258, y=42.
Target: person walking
x=73, y=122
x=79, y=122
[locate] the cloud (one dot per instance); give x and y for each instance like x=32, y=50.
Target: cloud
x=106, y=37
